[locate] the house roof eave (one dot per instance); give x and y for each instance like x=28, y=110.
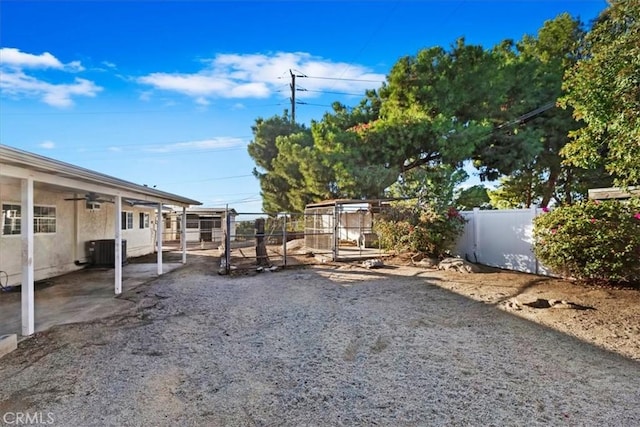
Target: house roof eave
x=16, y=157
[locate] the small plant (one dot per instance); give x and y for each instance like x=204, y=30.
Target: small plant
x=404, y=228
x=591, y=240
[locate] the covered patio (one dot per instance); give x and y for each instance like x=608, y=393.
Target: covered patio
x=72, y=199
x=81, y=296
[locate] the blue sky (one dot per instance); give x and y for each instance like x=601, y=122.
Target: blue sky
x=165, y=93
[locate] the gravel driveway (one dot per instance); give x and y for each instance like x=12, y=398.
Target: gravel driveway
x=315, y=346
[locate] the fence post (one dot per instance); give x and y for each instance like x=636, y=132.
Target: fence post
x=227, y=241
x=336, y=237
x=284, y=240
x=476, y=234
x=534, y=213
x=261, y=249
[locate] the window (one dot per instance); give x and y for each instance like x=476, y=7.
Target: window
x=44, y=219
x=10, y=219
x=217, y=223
x=127, y=220
x=193, y=221
x=144, y=220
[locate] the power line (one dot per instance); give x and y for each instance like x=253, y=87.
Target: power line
x=344, y=79
x=371, y=36
x=528, y=115
x=326, y=91
x=313, y=105
x=208, y=179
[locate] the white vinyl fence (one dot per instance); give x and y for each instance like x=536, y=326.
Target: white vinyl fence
x=501, y=238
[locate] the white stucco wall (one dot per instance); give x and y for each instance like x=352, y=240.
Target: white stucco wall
x=99, y=224
x=56, y=253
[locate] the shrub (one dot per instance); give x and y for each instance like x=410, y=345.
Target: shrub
x=591, y=240
x=404, y=228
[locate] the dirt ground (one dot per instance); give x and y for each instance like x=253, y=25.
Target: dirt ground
x=339, y=344
x=607, y=317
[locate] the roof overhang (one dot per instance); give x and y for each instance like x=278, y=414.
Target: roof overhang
x=613, y=193
x=21, y=164
x=339, y=202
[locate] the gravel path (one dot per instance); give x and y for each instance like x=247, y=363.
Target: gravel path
x=316, y=346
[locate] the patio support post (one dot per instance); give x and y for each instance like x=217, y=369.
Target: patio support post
x=117, y=262
x=159, y=231
x=183, y=235
x=26, y=231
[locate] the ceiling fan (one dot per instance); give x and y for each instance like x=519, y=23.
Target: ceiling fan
x=91, y=197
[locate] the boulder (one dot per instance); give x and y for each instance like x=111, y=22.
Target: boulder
x=459, y=265
x=428, y=263
x=373, y=263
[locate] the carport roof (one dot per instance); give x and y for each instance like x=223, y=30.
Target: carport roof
x=22, y=159
x=336, y=202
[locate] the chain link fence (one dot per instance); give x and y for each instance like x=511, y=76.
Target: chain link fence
x=249, y=240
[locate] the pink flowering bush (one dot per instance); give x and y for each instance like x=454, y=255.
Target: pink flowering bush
x=405, y=228
x=593, y=241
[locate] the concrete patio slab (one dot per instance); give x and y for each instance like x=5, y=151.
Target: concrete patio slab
x=83, y=295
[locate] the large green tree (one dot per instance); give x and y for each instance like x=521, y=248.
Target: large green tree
x=604, y=91
x=277, y=172
x=526, y=151
x=437, y=109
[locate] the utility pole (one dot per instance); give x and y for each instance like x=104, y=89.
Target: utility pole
x=293, y=94
x=293, y=97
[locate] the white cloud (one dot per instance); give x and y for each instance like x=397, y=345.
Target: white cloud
x=202, y=145
x=260, y=76
x=14, y=58
x=16, y=83
x=48, y=145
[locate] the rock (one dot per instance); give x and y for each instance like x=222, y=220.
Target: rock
x=459, y=265
x=538, y=303
x=513, y=305
x=554, y=303
x=322, y=258
x=428, y=263
x=373, y=263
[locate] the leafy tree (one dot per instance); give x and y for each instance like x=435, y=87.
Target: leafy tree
x=434, y=186
x=604, y=91
x=475, y=196
x=360, y=167
x=528, y=149
x=518, y=190
x=274, y=184
x=438, y=109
